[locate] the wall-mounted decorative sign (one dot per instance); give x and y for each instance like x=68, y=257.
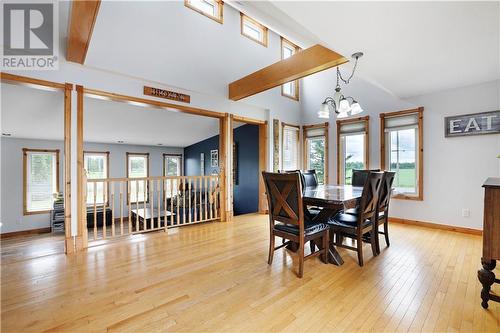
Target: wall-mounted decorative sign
x=214, y=158
x=472, y=124
x=175, y=96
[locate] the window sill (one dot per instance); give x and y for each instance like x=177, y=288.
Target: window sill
x=408, y=197
x=295, y=98
x=25, y=213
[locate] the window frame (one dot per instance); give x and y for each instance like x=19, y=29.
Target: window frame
x=218, y=19
x=265, y=31
x=106, y=153
x=419, y=196
x=181, y=158
x=283, y=125
x=340, y=122
x=284, y=42
x=129, y=154
x=305, y=128
x=25, y=178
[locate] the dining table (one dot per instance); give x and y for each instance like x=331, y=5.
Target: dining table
x=331, y=199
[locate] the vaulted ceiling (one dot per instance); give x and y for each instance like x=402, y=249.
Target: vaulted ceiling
x=411, y=48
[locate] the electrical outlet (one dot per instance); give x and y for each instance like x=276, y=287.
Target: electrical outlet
x=465, y=212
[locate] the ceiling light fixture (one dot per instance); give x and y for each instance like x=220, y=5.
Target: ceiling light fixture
x=119, y=141
x=340, y=104
x=6, y=134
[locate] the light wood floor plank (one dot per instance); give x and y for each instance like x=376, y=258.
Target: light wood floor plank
x=214, y=278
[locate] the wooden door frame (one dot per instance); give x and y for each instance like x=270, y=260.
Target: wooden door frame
x=82, y=92
x=262, y=156
x=69, y=242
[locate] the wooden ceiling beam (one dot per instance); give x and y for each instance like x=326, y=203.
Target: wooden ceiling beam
x=309, y=61
x=82, y=19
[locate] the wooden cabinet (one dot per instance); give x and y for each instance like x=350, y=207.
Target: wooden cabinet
x=491, y=239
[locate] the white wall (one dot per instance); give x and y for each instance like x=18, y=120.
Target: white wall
x=454, y=168
x=12, y=174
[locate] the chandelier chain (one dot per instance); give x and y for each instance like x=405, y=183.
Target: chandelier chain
x=339, y=74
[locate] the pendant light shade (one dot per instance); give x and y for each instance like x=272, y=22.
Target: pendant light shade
x=324, y=111
x=356, y=108
x=344, y=106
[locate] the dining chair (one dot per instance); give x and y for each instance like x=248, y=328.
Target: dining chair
x=359, y=176
x=383, y=206
x=287, y=220
x=310, y=178
x=358, y=179
x=355, y=226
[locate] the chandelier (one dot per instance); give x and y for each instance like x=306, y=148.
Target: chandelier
x=341, y=105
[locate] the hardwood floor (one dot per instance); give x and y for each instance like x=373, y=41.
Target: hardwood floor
x=214, y=277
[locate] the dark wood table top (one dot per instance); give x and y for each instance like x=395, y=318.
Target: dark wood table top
x=332, y=195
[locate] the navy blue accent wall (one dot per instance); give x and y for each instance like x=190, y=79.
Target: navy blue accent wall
x=192, y=157
x=246, y=191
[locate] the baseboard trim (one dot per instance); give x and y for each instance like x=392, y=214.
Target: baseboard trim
x=436, y=226
x=25, y=232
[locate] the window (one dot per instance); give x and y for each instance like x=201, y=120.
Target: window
x=402, y=151
x=172, y=166
x=41, y=179
x=316, y=150
x=253, y=30
x=290, y=147
x=289, y=89
x=138, y=167
x=96, y=164
x=210, y=8
x=352, y=147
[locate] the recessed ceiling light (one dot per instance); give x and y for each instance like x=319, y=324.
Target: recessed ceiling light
x=6, y=134
x=119, y=141
x=160, y=144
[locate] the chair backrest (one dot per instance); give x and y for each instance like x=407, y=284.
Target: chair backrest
x=310, y=178
x=368, y=205
x=302, y=178
x=385, y=191
x=359, y=176
x=284, y=196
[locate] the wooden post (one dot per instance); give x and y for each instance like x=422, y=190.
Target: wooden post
x=223, y=146
x=69, y=242
x=81, y=239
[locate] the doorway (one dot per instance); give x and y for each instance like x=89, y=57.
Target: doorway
x=249, y=158
x=36, y=159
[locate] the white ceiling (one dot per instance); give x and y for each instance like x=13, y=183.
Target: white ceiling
x=37, y=114
x=411, y=48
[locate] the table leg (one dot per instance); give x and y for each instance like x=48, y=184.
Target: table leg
x=334, y=257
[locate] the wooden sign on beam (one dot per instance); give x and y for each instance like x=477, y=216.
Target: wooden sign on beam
x=175, y=96
x=304, y=63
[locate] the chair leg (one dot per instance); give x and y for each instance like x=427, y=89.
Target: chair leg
x=377, y=240
x=339, y=238
x=373, y=242
x=271, y=249
x=301, y=260
x=359, y=245
x=386, y=232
